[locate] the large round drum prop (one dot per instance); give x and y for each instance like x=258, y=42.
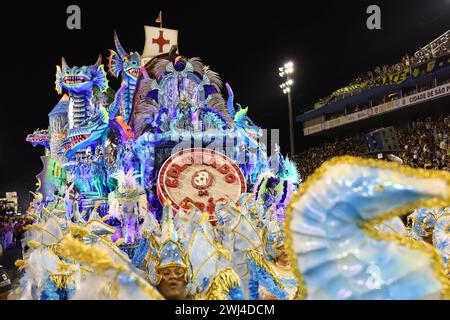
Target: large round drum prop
x=201, y=177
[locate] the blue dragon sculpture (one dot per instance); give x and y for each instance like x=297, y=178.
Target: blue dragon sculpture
x=127, y=65
x=80, y=82
x=87, y=121
x=249, y=136
x=39, y=137
x=242, y=123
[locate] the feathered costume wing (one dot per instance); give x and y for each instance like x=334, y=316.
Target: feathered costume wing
x=144, y=108
x=112, y=277
x=335, y=249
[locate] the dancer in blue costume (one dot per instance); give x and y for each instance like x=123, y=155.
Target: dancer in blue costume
x=271, y=274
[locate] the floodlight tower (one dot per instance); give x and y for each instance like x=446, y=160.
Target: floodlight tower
x=285, y=72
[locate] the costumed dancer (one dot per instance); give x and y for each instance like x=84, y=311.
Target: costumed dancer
x=128, y=204
x=431, y=225
x=276, y=186
x=79, y=263
x=193, y=266
x=271, y=274
x=47, y=276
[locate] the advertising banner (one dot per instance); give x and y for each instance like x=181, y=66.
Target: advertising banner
x=424, y=96
x=394, y=78
x=428, y=95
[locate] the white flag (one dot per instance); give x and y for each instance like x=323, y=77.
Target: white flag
x=158, y=41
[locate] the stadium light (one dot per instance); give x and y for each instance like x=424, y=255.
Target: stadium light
x=286, y=71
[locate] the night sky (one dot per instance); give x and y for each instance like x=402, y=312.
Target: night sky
x=327, y=40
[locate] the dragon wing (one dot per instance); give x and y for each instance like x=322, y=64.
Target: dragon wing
x=115, y=64
x=338, y=254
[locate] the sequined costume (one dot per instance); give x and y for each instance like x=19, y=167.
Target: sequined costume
x=269, y=279
x=335, y=249
x=189, y=244
x=431, y=225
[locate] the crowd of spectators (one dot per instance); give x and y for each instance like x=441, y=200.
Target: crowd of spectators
x=11, y=231
x=385, y=70
x=405, y=63
x=425, y=144
x=310, y=160
x=432, y=51
x=437, y=48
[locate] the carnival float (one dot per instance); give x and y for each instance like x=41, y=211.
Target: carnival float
x=163, y=189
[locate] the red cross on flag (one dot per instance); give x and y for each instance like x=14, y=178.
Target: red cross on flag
x=158, y=41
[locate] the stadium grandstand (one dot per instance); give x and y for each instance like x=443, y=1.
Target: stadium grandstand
x=412, y=97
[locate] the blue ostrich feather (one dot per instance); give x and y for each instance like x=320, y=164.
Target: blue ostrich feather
x=50, y=292
x=260, y=277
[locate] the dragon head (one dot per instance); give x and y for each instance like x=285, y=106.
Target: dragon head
x=81, y=79
x=39, y=137
x=244, y=123
x=129, y=64
x=241, y=121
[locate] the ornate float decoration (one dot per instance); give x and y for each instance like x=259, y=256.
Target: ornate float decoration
x=200, y=178
x=39, y=137
x=168, y=175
